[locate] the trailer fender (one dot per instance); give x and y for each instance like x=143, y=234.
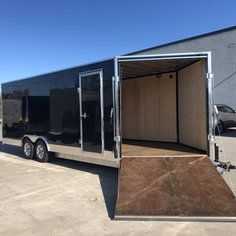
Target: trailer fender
x=35, y=138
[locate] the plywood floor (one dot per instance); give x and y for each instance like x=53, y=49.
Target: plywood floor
x=187, y=186
x=148, y=148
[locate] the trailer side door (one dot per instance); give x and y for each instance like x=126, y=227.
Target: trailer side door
x=91, y=112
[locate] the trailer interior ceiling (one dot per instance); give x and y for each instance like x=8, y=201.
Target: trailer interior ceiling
x=164, y=102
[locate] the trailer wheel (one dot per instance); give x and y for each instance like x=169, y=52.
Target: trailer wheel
x=28, y=149
x=41, y=152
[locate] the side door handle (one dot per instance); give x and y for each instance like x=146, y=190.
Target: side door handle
x=84, y=115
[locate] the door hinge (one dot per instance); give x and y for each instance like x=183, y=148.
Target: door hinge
x=115, y=78
x=210, y=75
x=210, y=137
x=78, y=90
x=117, y=138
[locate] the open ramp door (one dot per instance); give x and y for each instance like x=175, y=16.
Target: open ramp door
x=173, y=188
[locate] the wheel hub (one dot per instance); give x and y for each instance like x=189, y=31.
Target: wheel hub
x=27, y=149
x=40, y=151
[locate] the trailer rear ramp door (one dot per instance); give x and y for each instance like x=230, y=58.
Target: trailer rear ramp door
x=183, y=187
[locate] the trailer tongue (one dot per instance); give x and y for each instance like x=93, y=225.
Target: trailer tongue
x=186, y=187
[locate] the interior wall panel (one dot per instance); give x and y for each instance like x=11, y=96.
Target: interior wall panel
x=149, y=108
x=192, y=106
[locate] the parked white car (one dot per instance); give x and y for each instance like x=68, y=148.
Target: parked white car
x=225, y=117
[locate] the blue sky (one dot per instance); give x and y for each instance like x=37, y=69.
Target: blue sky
x=42, y=36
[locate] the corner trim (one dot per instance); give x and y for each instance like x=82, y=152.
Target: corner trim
x=178, y=218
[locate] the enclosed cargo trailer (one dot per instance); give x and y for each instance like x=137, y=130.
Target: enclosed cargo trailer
x=90, y=112
x=119, y=112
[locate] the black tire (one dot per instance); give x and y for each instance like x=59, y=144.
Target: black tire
x=28, y=149
x=41, y=152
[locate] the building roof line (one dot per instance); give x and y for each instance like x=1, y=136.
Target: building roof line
x=185, y=40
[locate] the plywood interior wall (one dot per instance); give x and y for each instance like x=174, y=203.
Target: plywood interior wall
x=149, y=108
x=192, y=106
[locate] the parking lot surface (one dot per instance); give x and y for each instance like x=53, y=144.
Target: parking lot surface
x=74, y=198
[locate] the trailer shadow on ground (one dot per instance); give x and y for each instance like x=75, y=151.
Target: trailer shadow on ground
x=11, y=150
x=108, y=176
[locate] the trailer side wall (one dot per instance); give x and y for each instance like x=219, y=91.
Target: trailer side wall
x=48, y=105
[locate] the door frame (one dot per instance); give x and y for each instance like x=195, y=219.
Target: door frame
x=158, y=57
x=81, y=75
